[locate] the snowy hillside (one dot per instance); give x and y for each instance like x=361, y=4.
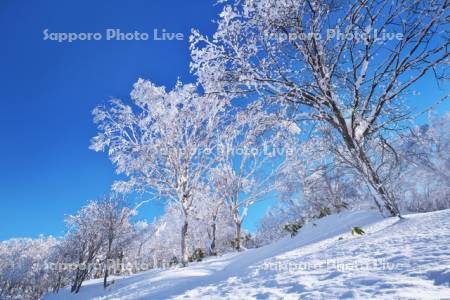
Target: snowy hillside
x=407, y=258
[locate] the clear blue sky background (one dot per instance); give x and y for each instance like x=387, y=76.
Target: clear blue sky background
x=48, y=90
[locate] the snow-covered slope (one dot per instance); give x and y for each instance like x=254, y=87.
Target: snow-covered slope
x=408, y=258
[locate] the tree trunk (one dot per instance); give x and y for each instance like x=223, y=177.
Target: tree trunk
x=212, y=247
x=184, y=244
x=108, y=256
x=383, y=193
x=58, y=283
x=366, y=169
x=75, y=282
x=377, y=186
x=105, y=278
x=119, y=269
x=237, y=238
x=79, y=278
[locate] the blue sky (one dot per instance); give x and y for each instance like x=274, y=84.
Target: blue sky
x=49, y=90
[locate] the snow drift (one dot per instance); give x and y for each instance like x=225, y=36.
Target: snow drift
x=396, y=258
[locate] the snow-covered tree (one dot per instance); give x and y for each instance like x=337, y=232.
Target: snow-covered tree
x=114, y=224
x=252, y=147
x=344, y=63
x=143, y=232
x=62, y=255
x=163, y=247
x=84, y=240
x=271, y=226
x=24, y=272
x=98, y=233
x=316, y=177
x=162, y=143
x=425, y=181
x=212, y=219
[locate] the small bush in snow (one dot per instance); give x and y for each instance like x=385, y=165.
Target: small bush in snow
x=293, y=228
x=357, y=231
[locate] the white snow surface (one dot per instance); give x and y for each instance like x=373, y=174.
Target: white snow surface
x=396, y=259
